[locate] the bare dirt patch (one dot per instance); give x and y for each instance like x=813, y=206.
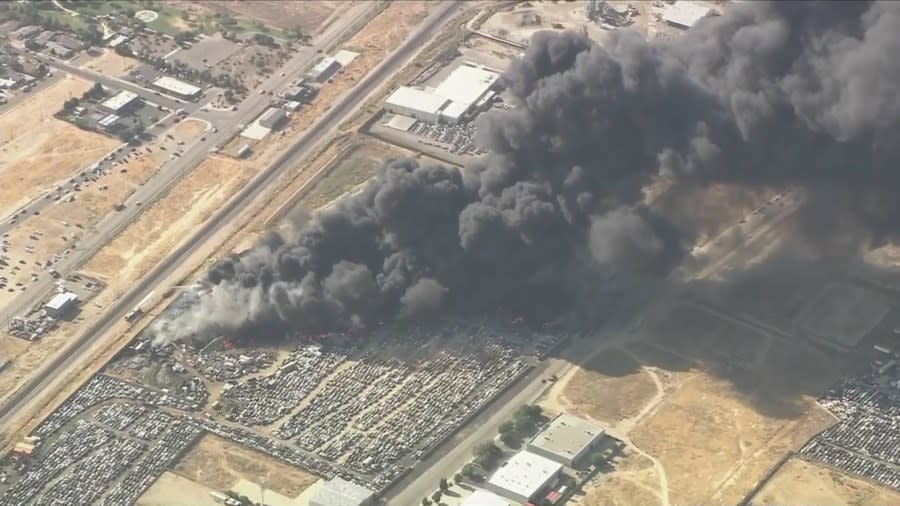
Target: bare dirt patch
x=111, y=63
x=609, y=388
x=174, y=490
x=37, y=150
x=799, y=482
x=219, y=464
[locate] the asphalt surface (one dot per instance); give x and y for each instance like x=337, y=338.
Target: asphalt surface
x=329, y=121
x=227, y=123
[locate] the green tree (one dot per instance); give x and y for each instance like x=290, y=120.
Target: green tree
x=426, y=501
x=458, y=478
x=444, y=485
x=436, y=496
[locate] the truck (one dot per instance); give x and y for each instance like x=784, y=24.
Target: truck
x=138, y=310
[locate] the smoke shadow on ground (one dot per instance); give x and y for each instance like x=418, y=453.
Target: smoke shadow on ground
x=743, y=328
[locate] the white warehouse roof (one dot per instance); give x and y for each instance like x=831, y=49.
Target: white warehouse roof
x=61, y=300
x=685, y=13
x=466, y=84
x=416, y=100
x=567, y=436
x=525, y=474
x=175, y=86
x=340, y=492
x=484, y=498
x=119, y=100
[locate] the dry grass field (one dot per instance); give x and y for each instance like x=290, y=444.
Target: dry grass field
x=800, y=483
x=220, y=464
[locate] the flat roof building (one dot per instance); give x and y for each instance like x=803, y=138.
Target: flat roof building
x=567, y=440
x=415, y=103
x=684, y=13
x=57, y=49
x=324, y=69
x=60, y=304
x=467, y=84
x=66, y=40
x=453, y=112
x=484, y=498
x=340, y=492
x=524, y=477
x=273, y=117
x=120, y=102
x=176, y=87
x=109, y=122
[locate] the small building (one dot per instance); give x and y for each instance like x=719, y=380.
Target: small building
x=273, y=117
x=243, y=151
x=684, y=13
x=292, y=105
x=58, y=49
x=484, y=498
x=176, y=87
x=524, y=477
x=415, y=103
x=110, y=122
x=68, y=41
x=122, y=102
x=60, y=304
x=567, y=440
x=302, y=93
x=340, y=492
x=27, y=32
x=117, y=40
x=45, y=37
x=324, y=69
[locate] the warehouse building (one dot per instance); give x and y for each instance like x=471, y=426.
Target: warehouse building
x=524, y=477
x=684, y=13
x=415, y=103
x=61, y=304
x=484, y=498
x=273, y=117
x=121, y=103
x=464, y=90
x=176, y=87
x=324, y=69
x=567, y=439
x=340, y=492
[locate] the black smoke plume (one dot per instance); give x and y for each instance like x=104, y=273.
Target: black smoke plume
x=766, y=95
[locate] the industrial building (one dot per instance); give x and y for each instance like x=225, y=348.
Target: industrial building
x=121, y=103
x=61, y=304
x=176, y=87
x=567, y=440
x=324, y=69
x=273, y=117
x=684, y=13
x=465, y=89
x=524, y=477
x=415, y=103
x=484, y=498
x=109, y=122
x=340, y=492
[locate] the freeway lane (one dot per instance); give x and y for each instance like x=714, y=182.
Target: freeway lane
x=330, y=120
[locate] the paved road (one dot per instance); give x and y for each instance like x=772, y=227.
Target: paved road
x=341, y=111
x=226, y=124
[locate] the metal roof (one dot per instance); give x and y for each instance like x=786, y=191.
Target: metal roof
x=525, y=474
x=60, y=300
x=567, y=436
x=466, y=84
x=174, y=85
x=685, y=13
x=484, y=498
x=340, y=492
x=119, y=100
x=417, y=100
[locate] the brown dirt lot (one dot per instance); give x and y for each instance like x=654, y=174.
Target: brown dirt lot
x=609, y=388
x=219, y=464
x=38, y=150
x=799, y=483
x=111, y=63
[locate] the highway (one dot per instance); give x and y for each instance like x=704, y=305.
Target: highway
x=341, y=110
x=226, y=122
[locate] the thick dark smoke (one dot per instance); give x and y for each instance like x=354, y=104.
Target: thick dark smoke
x=768, y=94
